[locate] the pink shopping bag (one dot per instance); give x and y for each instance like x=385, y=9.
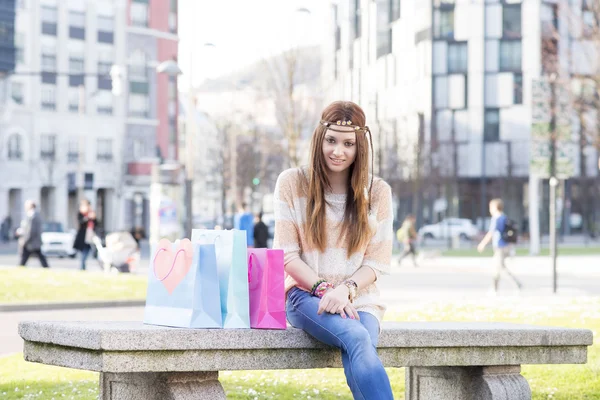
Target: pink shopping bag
x=266, y=288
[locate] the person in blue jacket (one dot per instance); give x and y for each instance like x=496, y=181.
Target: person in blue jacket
x=244, y=221
x=501, y=247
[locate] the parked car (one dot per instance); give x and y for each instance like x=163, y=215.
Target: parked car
x=57, y=242
x=450, y=227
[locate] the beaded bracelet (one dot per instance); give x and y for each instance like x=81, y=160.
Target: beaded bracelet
x=312, y=291
x=323, y=288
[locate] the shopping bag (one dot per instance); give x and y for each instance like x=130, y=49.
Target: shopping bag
x=232, y=266
x=183, y=286
x=266, y=287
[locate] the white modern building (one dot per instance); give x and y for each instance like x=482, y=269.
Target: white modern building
x=453, y=79
x=73, y=127
x=61, y=129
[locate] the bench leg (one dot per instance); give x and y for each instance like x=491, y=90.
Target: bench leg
x=161, y=386
x=466, y=383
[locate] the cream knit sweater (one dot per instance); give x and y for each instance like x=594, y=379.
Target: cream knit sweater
x=333, y=264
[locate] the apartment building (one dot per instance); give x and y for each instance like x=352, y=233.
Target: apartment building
x=446, y=85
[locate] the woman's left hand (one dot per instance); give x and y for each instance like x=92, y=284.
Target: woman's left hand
x=334, y=300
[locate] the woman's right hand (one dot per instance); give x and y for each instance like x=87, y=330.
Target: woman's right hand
x=334, y=300
x=349, y=312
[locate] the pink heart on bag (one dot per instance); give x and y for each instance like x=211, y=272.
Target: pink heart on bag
x=172, y=265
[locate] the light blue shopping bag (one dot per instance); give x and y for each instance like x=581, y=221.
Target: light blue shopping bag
x=233, y=273
x=183, y=286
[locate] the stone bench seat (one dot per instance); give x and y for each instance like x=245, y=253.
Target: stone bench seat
x=444, y=360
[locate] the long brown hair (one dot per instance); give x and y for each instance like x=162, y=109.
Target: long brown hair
x=356, y=214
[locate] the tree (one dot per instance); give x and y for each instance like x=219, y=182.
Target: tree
x=292, y=79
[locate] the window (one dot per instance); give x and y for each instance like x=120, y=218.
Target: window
x=139, y=149
x=48, y=147
x=77, y=24
x=76, y=63
x=510, y=55
x=105, y=63
x=138, y=66
x=491, y=131
x=48, y=58
x=443, y=27
x=518, y=89
x=76, y=68
x=139, y=14
x=104, y=150
x=106, y=27
x=511, y=21
x=16, y=92
x=49, y=20
x=73, y=151
x=355, y=19
x=74, y=99
x=19, y=47
x=88, y=181
x=48, y=97
x=15, y=147
x=458, y=57
x=395, y=8
x=104, y=102
x=173, y=16
x=139, y=105
x=49, y=64
x=384, y=30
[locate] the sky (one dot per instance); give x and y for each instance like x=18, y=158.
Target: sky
x=242, y=32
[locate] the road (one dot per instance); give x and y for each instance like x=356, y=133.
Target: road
x=438, y=279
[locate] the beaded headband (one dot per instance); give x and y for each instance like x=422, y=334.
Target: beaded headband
x=341, y=123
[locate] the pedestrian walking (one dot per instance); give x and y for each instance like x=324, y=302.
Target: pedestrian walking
x=261, y=233
x=501, y=234
x=334, y=222
x=86, y=218
x=407, y=235
x=30, y=235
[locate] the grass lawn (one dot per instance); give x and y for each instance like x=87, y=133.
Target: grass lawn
x=21, y=380
x=21, y=285
x=565, y=251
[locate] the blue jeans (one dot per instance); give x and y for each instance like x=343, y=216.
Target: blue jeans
x=85, y=252
x=357, y=339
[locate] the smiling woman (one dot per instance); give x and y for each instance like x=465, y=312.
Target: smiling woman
x=334, y=222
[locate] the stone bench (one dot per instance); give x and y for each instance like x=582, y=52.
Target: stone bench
x=444, y=360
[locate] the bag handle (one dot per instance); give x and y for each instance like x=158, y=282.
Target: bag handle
x=172, y=265
x=205, y=235
x=250, y=266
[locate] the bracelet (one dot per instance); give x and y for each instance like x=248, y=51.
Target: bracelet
x=323, y=288
x=312, y=290
x=352, y=289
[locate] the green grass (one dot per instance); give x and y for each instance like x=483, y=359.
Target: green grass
x=21, y=380
x=565, y=251
x=31, y=285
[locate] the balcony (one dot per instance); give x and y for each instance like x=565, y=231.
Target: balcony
x=140, y=168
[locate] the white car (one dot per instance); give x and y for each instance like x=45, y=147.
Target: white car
x=450, y=227
x=57, y=242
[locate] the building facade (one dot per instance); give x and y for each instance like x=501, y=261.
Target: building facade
x=61, y=126
x=151, y=127
x=66, y=133
x=446, y=86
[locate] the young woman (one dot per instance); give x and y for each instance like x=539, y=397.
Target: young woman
x=86, y=218
x=334, y=223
